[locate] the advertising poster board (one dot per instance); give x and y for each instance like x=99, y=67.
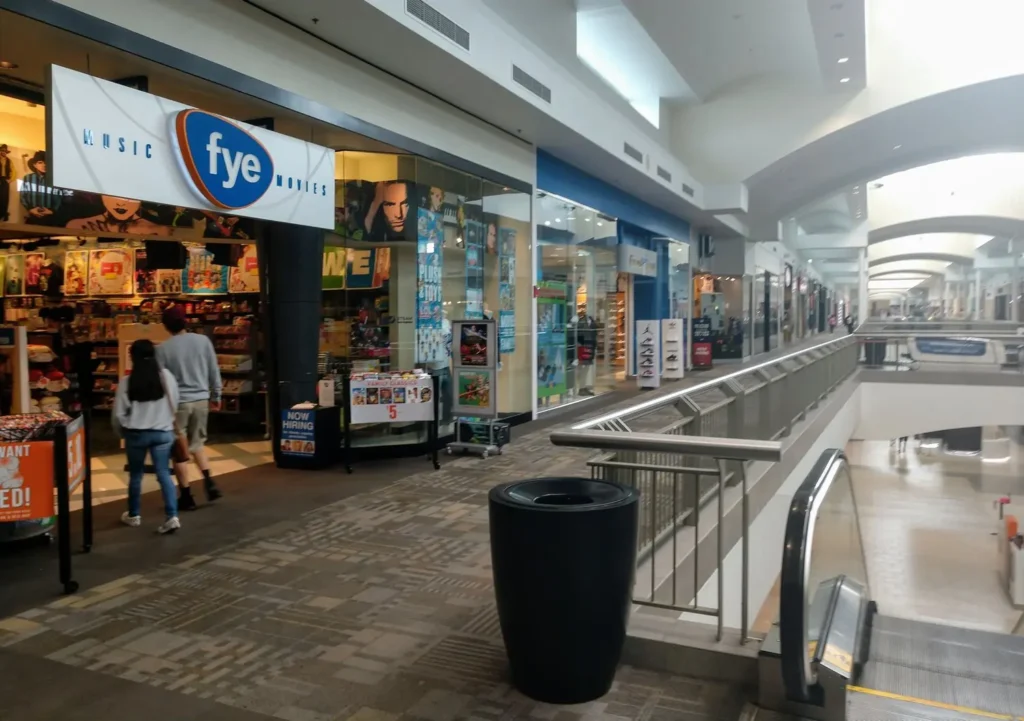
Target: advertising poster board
x=355, y=268
x=145, y=279
x=14, y=282
x=648, y=353
x=507, y=290
x=476, y=344
x=76, y=272
x=391, y=399
x=672, y=360
x=111, y=271
x=474, y=270
x=702, y=342
x=26, y=481
x=474, y=392
x=202, y=277
x=551, y=341
x=245, y=276
x=430, y=340
x=298, y=432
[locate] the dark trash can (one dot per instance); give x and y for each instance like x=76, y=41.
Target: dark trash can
x=563, y=552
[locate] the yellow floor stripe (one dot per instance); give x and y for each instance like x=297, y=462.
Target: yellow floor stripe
x=933, y=704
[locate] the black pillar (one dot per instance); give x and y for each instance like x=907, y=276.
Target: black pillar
x=291, y=259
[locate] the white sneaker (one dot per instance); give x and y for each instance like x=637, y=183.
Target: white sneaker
x=130, y=520
x=169, y=526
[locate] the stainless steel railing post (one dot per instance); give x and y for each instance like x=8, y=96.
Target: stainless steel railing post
x=745, y=600
x=720, y=531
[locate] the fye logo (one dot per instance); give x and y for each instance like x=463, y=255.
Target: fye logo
x=229, y=168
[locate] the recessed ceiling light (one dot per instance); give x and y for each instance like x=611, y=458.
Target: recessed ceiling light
x=896, y=147
x=558, y=220
x=810, y=260
x=843, y=60
x=844, y=80
x=547, y=222
x=7, y=65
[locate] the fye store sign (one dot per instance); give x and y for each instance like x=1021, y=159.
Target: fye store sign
x=109, y=139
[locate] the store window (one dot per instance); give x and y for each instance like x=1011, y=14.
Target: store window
x=417, y=246
x=581, y=303
x=720, y=299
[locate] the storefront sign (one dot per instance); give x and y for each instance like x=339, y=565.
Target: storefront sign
x=392, y=400
x=431, y=345
x=109, y=139
x=298, y=432
x=966, y=350
x=701, y=342
x=26, y=481
x=638, y=261
x=648, y=353
x=507, y=290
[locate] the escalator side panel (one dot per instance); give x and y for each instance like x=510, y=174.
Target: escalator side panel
x=870, y=706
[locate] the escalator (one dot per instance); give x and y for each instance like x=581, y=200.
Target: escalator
x=836, y=655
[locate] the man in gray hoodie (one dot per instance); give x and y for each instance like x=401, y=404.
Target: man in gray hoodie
x=193, y=361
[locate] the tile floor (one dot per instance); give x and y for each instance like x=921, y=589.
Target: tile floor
x=928, y=524
x=110, y=481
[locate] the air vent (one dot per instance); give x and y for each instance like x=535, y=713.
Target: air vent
x=633, y=152
x=664, y=174
x=531, y=83
x=439, y=22
x=687, y=190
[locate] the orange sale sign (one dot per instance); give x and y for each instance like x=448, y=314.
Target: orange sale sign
x=26, y=481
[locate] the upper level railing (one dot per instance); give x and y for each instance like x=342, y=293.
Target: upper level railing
x=688, y=449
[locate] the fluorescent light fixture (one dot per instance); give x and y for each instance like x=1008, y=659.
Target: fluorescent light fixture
x=844, y=80
x=897, y=147
x=843, y=60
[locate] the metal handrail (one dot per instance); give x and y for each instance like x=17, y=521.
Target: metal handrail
x=733, y=449
x=670, y=398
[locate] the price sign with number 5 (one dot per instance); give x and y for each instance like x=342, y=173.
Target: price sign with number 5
x=392, y=412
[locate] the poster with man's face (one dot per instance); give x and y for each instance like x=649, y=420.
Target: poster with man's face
x=380, y=211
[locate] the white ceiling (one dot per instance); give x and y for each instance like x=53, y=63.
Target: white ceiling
x=718, y=43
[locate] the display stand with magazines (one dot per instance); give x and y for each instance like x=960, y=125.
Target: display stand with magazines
x=391, y=397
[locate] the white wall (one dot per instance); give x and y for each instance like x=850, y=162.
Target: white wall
x=890, y=410
x=235, y=35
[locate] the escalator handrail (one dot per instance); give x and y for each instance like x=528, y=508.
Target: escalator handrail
x=798, y=675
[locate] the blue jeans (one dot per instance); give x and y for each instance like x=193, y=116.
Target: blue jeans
x=158, y=444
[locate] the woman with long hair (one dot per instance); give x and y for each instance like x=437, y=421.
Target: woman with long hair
x=144, y=416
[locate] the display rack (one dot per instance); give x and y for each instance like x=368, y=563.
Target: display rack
x=475, y=389
x=365, y=395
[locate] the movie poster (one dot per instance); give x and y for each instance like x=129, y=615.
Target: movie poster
x=551, y=341
x=111, y=271
x=34, y=273
x=377, y=211
x=474, y=270
x=76, y=272
x=169, y=281
x=245, y=276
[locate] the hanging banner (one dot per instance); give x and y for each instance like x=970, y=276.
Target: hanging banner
x=474, y=270
x=507, y=290
x=110, y=271
x=430, y=335
x=245, y=276
x=118, y=142
x=551, y=344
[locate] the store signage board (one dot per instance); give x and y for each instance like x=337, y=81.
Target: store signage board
x=702, y=342
x=638, y=261
x=112, y=140
x=392, y=400
x=26, y=481
x=298, y=432
x=475, y=368
x=476, y=343
x=648, y=353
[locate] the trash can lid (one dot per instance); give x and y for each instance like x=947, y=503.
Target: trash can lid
x=564, y=494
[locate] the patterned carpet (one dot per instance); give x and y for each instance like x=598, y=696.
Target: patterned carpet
x=376, y=608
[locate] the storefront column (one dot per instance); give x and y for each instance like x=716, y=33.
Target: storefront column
x=292, y=259
x=863, y=312
x=978, y=297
